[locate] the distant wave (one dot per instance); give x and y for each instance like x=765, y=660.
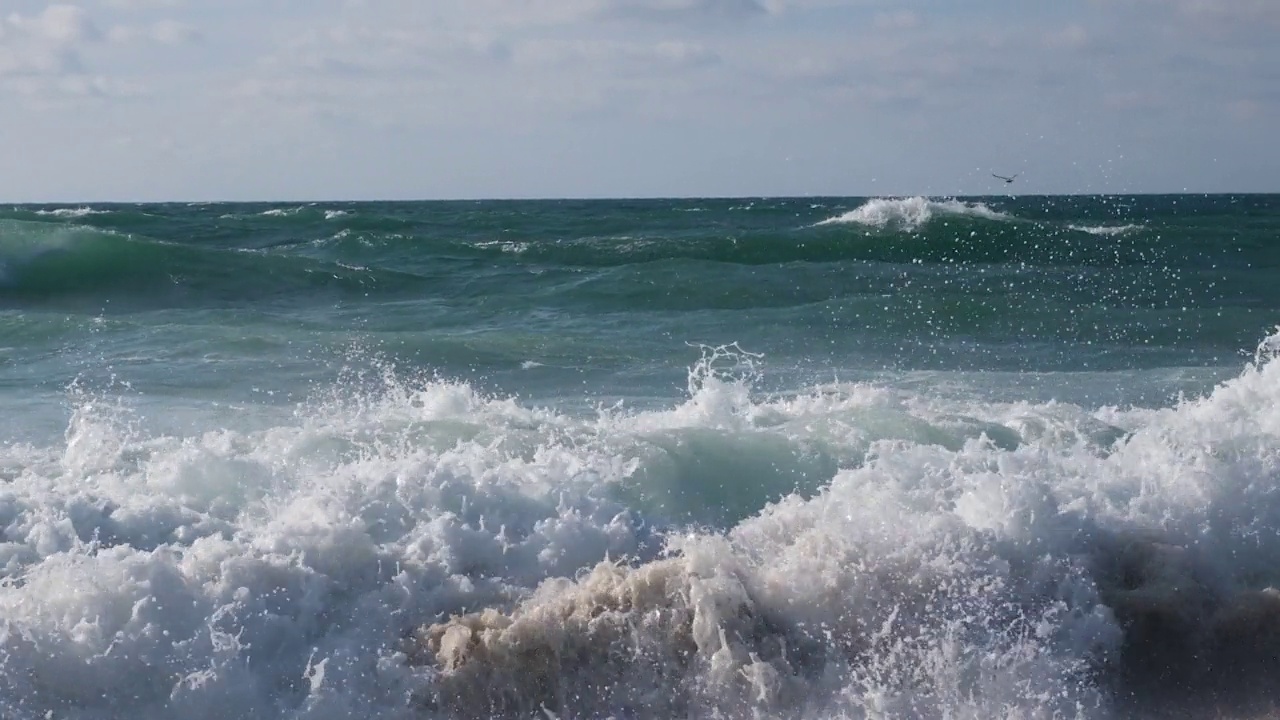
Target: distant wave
x=46, y=262
x=911, y=213
x=506, y=246
x=72, y=212
x=282, y=212
x=1107, y=230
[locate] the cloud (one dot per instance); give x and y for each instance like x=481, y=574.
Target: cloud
x=1072, y=37
x=172, y=32
x=38, y=62
x=133, y=5
x=897, y=20
x=44, y=44
x=1212, y=19
x=164, y=32
x=516, y=14
x=1231, y=19
x=614, y=58
x=43, y=55
x=57, y=23
x=678, y=10
x=478, y=82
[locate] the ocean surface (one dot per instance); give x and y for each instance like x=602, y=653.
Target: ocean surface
x=1000, y=457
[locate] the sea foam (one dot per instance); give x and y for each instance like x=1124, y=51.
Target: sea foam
x=411, y=547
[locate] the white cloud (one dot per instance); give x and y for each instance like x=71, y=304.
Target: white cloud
x=1072, y=37
x=142, y=4
x=57, y=53
x=678, y=10
x=172, y=32
x=36, y=61
x=165, y=32
x=896, y=20
x=1219, y=19
x=482, y=87
x=57, y=23
x=44, y=44
x=100, y=86
x=1231, y=16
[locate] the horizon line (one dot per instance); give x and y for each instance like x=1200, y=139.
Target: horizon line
x=627, y=198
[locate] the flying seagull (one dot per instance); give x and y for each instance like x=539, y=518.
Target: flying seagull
x=1007, y=180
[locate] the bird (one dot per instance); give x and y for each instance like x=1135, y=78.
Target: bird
x=1007, y=180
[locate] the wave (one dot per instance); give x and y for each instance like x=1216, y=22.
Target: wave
x=1107, y=230
x=911, y=213
x=77, y=212
x=411, y=545
x=978, y=242
x=929, y=581
x=889, y=230
x=46, y=262
x=284, y=212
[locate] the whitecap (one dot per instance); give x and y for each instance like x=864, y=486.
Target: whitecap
x=911, y=213
x=1107, y=230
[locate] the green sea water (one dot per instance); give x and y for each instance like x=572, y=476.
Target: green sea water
x=603, y=297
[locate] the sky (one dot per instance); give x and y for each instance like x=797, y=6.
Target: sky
x=154, y=100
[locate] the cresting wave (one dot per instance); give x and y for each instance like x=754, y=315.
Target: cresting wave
x=71, y=212
x=911, y=213
x=55, y=262
x=1107, y=230
x=408, y=547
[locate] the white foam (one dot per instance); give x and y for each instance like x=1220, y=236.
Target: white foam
x=506, y=246
x=1107, y=230
x=955, y=557
x=72, y=212
x=911, y=213
x=335, y=214
x=282, y=212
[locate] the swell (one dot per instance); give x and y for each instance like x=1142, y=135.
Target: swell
x=964, y=240
x=52, y=263
x=1061, y=233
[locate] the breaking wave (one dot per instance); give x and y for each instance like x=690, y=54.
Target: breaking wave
x=911, y=213
x=407, y=546
x=1107, y=230
x=75, y=212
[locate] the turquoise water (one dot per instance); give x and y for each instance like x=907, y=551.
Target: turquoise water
x=254, y=451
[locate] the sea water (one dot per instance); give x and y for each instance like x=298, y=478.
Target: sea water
x=713, y=458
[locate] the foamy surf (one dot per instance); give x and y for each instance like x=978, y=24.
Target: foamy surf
x=411, y=547
x=911, y=213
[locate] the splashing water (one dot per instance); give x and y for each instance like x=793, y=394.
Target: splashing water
x=416, y=550
x=945, y=473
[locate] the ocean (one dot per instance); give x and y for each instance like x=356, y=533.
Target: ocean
x=908, y=457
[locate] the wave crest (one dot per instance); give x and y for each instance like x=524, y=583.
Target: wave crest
x=911, y=213
x=1107, y=230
